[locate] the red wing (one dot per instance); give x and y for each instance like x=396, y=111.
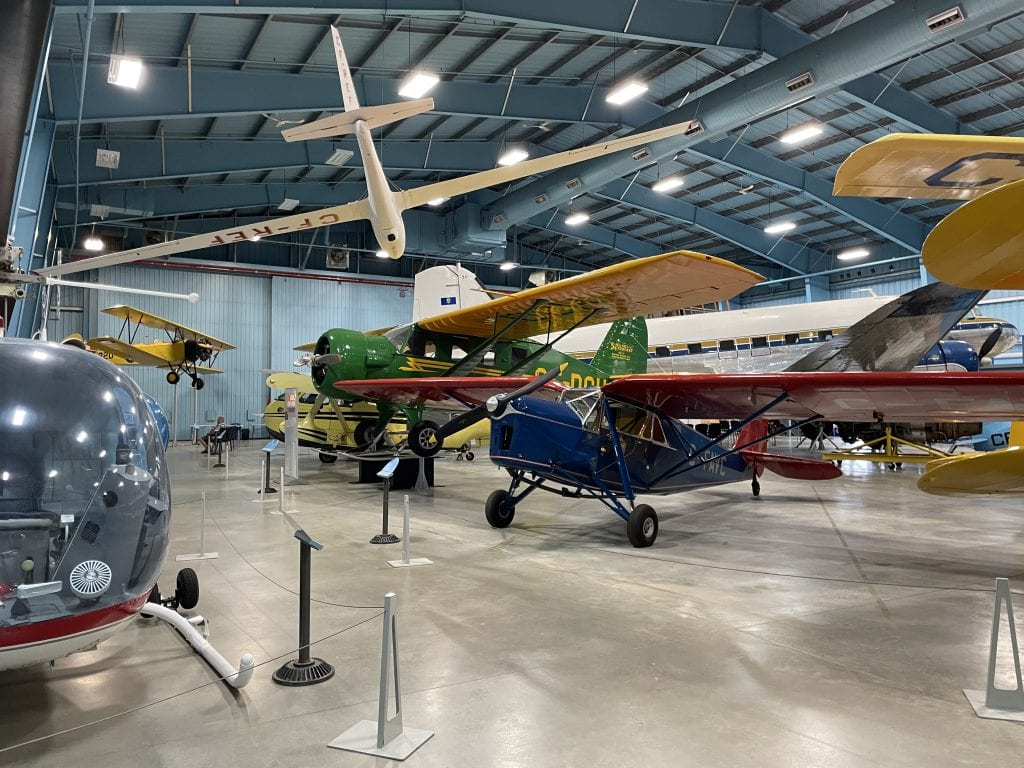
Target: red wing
x=442, y=391
x=889, y=396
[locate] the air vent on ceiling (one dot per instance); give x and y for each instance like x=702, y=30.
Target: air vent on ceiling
x=641, y=154
x=540, y=199
x=574, y=183
x=800, y=82
x=945, y=19
x=695, y=127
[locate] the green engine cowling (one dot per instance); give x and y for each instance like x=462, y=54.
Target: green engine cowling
x=353, y=355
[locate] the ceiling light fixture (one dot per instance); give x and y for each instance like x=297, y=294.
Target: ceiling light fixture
x=801, y=133
x=437, y=201
x=779, y=227
x=667, y=184
x=254, y=239
x=626, y=92
x=512, y=155
x=382, y=254
x=576, y=218
x=93, y=243
x=288, y=204
x=505, y=266
x=108, y=158
x=418, y=84
x=852, y=254
x=339, y=157
x=124, y=71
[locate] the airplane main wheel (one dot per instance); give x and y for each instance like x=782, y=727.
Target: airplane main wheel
x=755, y=486
x=499, y=509
x=197, y=383
x=363, y=434
x=328, y=458
x=186, y=590
x=642, y=526
x=470, y=455
x=173, y=377
x=423, y=439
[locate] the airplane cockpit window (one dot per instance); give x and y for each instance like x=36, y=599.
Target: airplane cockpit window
x=399, y=334
x=416, y=344
x=637, y=422
x=585, y=405
x=84, y=497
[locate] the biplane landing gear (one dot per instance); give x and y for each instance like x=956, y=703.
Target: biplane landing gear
x=173, y=377
x=499, y=509
x=328, y=458
x=423, y=439
x=642, y=526
x=197, y=383
x=755, y=486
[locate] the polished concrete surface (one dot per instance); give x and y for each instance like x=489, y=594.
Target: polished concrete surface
x=822, y=624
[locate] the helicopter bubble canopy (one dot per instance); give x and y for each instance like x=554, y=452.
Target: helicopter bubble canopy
x=84, y=496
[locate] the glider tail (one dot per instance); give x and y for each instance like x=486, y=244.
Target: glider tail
x=344, y=124
x=624, y=349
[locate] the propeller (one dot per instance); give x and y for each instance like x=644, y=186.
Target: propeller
x=494, y=407
x=989, y=343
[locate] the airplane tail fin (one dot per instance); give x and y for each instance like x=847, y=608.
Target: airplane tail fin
x=624, y=349
x=344, y=124
x=444, y=289
x=897, y=335
x=794, y=467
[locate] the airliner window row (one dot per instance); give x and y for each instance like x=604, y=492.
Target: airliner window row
x=743, y=344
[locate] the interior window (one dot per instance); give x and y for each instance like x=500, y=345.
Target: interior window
x=759, y=342
x=662, y=352
x=519, y=354
x=792, y=338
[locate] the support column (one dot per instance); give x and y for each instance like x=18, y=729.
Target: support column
x=816, y=288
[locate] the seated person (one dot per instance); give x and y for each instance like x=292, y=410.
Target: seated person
x=215, y=435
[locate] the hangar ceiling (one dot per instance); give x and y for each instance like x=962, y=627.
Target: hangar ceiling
x=200, y=138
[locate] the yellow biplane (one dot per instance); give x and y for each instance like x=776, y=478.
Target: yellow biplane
x=978, y=245
x=186, y=350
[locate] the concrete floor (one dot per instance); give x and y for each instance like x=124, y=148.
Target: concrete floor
x=828, y=624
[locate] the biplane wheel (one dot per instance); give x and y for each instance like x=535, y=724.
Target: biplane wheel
x=328, y=458
x=499, y=510
x=469, y=455
x=363, y=434
x=642, y=526
x=755, y=486
x=186, y=590
x=197, y=383
x=423, y=440
x=173, y=377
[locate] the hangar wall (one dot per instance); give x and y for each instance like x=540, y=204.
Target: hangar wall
x=263, y=316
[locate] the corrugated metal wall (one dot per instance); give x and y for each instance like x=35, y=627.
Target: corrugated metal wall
x=860, y=288
x=303, y=309
x=263, y=317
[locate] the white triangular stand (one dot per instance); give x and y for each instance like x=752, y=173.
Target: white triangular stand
x=1000, y=703
x=406, y=561
x=202, y=554
x=386, y=737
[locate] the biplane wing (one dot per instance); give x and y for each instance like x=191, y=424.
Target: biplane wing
x=931, y=166
x=206, y=369
x=864, y=397
x=666, y=282
x=976, y=474
x=137, y=316
x=128, y=353
x=442, y=391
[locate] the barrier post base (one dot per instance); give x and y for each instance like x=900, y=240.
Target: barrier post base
x=362, y=737
x=385, y=538
x=410, y=562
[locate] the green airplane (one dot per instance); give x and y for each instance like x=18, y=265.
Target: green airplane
x=488, y=348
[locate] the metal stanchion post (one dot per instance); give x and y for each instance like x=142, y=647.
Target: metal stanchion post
x=385, y=474
x=405, y=562
x=202, y=554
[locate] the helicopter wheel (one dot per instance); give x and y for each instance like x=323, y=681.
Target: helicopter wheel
x=186, y=590
x=755, y=486
x=173, y=377
x=642, y=526
x=328, y=458
x=423, y=440
x=197, y=383
x=498, y=510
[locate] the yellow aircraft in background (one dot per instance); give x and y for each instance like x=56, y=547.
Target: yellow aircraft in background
x=185, y=351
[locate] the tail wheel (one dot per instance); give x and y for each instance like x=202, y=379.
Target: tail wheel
x=363, y=434
x=423, y=439
x=197, y=383
x=186, y=590
x=173, y=377
x=755, y=486
x=642, y=526
x=499, y=509
x=328, y=458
